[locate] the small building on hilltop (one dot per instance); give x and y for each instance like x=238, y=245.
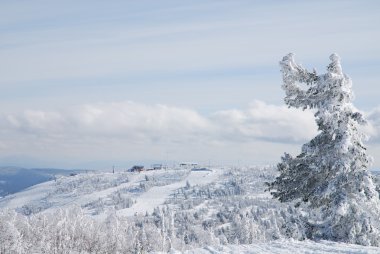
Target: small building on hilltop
x=157, y=166
x=136, y=168
x=188, y=165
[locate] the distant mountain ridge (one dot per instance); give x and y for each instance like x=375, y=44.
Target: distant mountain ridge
x=14, y=179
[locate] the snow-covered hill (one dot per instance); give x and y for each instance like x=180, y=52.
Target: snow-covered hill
x=102, y=193
x=222, y=210
x=15, y=179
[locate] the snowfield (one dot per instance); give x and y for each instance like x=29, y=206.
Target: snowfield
x=224, y=210
x=157, y=195
x=288, y=247
x=94, y=191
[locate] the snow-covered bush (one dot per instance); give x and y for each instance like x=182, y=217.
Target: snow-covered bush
x=10, y=232
x=330, y=178
x=116, y=200
x=88, y=183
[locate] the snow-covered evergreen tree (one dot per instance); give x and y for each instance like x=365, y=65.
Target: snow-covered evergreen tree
x=330, y=177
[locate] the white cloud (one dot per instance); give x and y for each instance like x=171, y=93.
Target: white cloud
x=155, y=123
x=372, y=129
x=130, y=130
x=134, y=120
x=267, y=122
x=128, y=120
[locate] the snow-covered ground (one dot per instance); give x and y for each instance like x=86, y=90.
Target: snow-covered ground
x=224, y=210
x=157, y=195
x=146, y=191
x=288, y=247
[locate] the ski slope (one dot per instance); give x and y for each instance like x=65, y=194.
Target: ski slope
x=156, y=196
x=46, y=197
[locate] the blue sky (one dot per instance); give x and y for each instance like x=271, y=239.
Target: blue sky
x=96, y=83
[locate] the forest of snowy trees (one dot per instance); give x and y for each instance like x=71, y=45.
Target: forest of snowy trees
x=232, y=210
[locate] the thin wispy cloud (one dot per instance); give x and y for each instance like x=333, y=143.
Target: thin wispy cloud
x=257, y=35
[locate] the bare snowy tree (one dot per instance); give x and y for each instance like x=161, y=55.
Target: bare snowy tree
x=330, y=177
